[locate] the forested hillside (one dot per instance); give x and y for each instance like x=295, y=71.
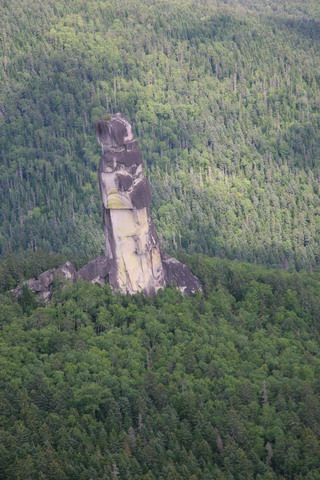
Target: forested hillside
x=221, y=386
x=224, y=98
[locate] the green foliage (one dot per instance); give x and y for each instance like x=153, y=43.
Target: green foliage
x=224, y=98
x=223, y=95
x=222, y=385
x=21, y=265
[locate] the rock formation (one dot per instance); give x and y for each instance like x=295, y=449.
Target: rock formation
x=131, y=243
x=133, y=261
x=42, y=285
x=96, y=271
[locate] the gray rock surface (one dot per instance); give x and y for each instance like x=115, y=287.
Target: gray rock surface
x=131, y=242
x=178, y=275
x=42, y=285
x=96, y=271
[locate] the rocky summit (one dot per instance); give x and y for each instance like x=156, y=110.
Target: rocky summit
x=133, y=261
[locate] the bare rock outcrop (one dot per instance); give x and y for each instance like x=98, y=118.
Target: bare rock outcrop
x=177, y=274
x=96, y=271
x=42, y=285
x=133, y=261
x=131, y=242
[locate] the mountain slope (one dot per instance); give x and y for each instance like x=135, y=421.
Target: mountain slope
x=221, y=386
x=224, y=97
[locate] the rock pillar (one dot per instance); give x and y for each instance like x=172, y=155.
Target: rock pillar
x=131, y=242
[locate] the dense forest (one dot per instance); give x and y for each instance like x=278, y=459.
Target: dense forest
x=224, y=98
x=221, y=386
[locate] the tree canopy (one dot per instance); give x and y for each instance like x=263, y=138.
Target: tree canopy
x=223, y=385
x=224, y=99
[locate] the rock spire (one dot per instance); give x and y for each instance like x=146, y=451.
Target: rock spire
x=133, y=261
x=131, y=242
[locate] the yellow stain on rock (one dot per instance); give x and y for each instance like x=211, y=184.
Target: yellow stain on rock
x=118, y=202
x=138, y=264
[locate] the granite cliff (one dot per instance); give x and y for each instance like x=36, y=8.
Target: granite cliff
x=133, y=261
x=131, y=242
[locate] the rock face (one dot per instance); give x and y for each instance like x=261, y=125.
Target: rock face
x=131, y=243
x=43, y=284
x=133, y=261
x=96, y=271
x=178, y=274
